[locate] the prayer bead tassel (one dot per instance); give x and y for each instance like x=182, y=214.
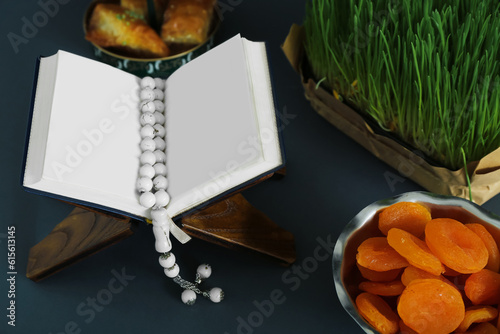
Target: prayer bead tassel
x=152, y=186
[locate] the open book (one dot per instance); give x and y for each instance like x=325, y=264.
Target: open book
x=84, y=135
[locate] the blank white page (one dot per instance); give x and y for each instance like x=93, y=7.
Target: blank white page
x=92, y=150
x=211, y=124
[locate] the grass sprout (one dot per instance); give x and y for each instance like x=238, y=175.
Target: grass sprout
x=427, y=71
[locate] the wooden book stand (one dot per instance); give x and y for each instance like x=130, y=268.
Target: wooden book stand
x=232, y=222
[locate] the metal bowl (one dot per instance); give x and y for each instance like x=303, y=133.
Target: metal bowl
x=365, y=224
x=158, y=67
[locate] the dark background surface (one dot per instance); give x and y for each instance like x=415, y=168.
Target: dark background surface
x=330, y=178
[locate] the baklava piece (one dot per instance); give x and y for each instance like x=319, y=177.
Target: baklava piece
x=187, y=21
x=140, y=7
x=118, y=29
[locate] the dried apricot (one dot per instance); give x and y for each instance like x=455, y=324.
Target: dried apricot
x=455, y=245
x=483, y=287
x=498, y=320
x=475, y=314
x=403, y=329
x=450, y=272
x=482, y=328
x=412, y=273
x=408, y=216
x=376, y=254
x=431, y=306
x=393, y=288
x=378, y=276
x=491, y=245
x=377, y=312
x=414, y=250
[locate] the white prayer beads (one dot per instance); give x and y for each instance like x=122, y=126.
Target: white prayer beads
x=148, y=157
x=216, y=295
x=188, y=297
x=147, y=199
x=147, y=118
x=160, y=106
x=144, y=183
x=159, y=130
x=167, y=260
x=159, y=155
x=148, y=82
x=160, y=143
x=204, y=270
x=158, y=94
x=152, y=146
x=160, y=119
x=160, y=182
x=160, y=169
x=147, y=94
x=159, y=215
x=147, y=170
x=148, y=144
x=172, y=271
x=159, y=83
x=152, y=185
x=161, y=198
x=148, y=107
x=147, y=131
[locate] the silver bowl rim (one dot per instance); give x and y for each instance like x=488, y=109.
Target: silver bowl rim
x=365, y=216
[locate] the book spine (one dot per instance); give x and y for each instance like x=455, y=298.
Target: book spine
x=280, y=123
x=30, y=118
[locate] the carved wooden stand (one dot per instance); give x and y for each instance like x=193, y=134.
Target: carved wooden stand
x=232, y=223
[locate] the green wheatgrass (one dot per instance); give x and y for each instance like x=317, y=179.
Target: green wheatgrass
x=428, y=71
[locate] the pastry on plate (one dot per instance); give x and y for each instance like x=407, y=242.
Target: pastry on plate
x=140, y=7
x=118, y=29
x=187, y=21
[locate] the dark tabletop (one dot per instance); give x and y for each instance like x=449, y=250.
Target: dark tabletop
x=329, y=179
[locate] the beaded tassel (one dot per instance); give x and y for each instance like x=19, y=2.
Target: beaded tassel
x=152, y=185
